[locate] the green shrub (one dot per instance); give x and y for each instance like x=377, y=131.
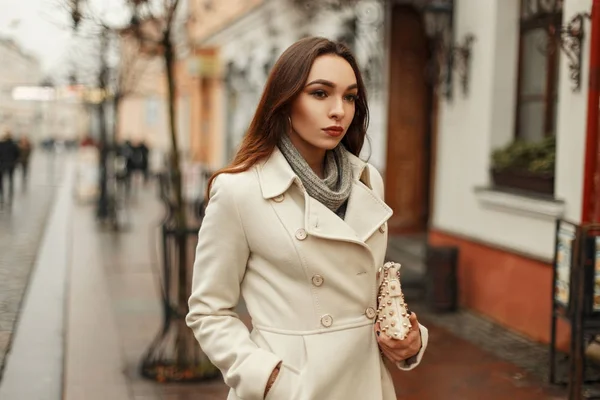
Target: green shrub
x=534, y=157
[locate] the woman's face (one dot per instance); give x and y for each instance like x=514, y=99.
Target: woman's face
x=324, y=109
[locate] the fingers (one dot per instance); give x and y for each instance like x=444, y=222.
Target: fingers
x=390, y=355
x=411, y=340
x=414, y=323
x=399, y=350
x=412, y=336
x=394, y=355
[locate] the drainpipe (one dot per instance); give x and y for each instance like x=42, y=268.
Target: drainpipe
x=591, y=185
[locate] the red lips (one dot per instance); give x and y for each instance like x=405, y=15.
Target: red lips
x=334, y=130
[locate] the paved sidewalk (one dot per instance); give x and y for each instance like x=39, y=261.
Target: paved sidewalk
x=22, y=224
x=115, y=310
x=114, y=313
x=455, y=369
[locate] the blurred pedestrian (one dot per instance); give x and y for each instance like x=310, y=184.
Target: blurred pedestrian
x=25, y=148
x=127, y=151
x=88, y=141
x=9, y=156
x=143, y=152
x=297, y=226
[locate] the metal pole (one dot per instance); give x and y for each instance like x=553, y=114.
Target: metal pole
x=102, y=206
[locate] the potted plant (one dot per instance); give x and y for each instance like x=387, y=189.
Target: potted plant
x=527, y=166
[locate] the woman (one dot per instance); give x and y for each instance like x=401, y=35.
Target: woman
x=297, y=226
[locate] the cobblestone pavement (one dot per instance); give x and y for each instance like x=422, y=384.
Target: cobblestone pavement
x=21, y=228
x=456, y=369
x=509, y=346
x=495, y=339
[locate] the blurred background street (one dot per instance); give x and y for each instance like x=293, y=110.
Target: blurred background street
x=484, y=123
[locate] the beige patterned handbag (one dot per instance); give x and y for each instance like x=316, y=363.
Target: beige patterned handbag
x=392, y=311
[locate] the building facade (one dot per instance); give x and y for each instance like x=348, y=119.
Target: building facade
x=204, y=78
x=18, y=69
x=522, y=87
x=143, y=110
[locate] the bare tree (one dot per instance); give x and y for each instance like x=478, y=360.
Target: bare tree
x=100, y=38
x=157, y=26
x=154, y=24
x=153, y=30
x=97, y=38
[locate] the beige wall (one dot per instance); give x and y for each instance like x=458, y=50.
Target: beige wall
x=208, y=115
x=144, y=118
x=142, y=112
x=209, y=16
x=202, y=93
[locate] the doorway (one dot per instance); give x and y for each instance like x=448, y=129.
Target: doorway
x=407, y=176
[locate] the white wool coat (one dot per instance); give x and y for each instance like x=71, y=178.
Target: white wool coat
x=308, y=279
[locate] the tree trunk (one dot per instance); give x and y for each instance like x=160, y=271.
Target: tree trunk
x=116, y=104
x=179, y=213
x=102, y=209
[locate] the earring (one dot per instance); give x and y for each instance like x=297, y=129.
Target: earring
x=290, y=121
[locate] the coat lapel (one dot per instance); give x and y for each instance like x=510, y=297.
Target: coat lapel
x=321, y=222
x=275, y=175
x=365, y=212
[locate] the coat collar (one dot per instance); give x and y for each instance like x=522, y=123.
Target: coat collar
x=276, y=175
x=365, y=211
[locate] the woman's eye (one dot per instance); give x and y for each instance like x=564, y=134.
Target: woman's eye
x=319, y=94
x=351, y=98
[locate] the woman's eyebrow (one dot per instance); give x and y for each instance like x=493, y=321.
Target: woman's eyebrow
x=330, y=84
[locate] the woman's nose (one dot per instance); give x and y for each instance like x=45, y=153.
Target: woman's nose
x=337, y=110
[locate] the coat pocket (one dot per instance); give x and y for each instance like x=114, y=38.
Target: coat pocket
x=290, y=348
x=285, y=386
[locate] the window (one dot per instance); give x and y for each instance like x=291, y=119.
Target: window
x=152, y=111
x=537, y=95
x=527, y=165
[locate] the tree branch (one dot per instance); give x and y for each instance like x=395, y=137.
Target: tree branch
x=171, y=15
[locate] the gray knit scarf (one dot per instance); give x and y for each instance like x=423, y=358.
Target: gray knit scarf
x=332, y=191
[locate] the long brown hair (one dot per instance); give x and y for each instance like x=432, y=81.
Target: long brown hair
x=284, y=84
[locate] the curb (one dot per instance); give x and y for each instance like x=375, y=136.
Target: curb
x=34, y=366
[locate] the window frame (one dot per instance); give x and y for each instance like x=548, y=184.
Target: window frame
x=540, y=21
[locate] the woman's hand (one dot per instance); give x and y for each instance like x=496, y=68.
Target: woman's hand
x=272, y=379
x=400, y=350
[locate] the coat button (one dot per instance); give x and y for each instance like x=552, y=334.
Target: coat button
x=278, y=199
x=301, y=234
x=382, y=228
x=317, y=280
x=370, y=313
x=326, y=320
